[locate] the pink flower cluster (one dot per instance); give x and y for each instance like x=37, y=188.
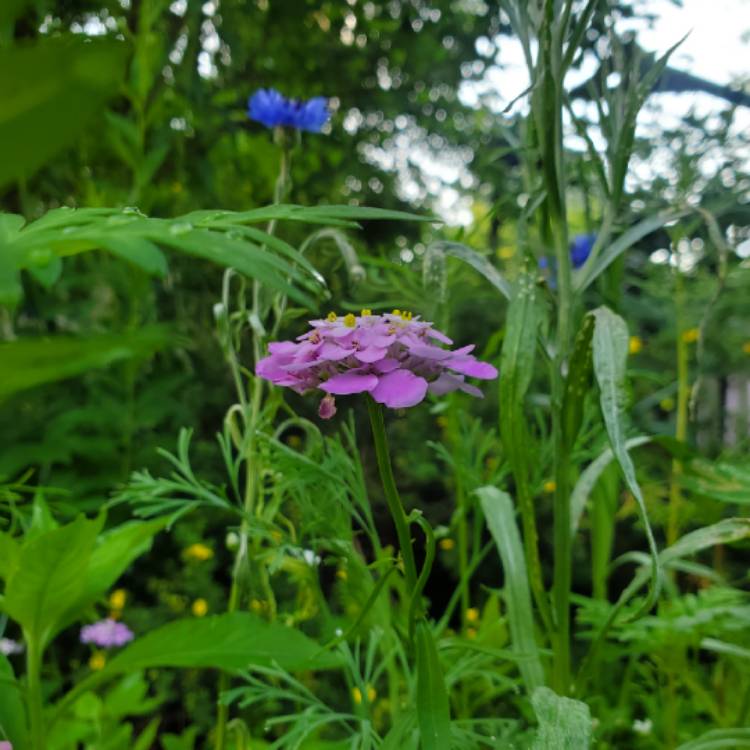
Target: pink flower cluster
x=106, y=633
x=392, y=357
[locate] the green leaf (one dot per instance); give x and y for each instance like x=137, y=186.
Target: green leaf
x=139, y=251
x=577, y=382
x=610, y=345
x=564, y=723
x=10, y=555
x=114, y=552
x=51, y=573
x=584, y=277
x=232, y=641
x=719, y=739
x=50, y=91
x=474, y=259
x=590, y=476
x=12, y=709
x=30, y=362
x=498, y=512
x=433, y=707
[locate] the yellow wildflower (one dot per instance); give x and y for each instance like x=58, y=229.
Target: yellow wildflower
x=446, y=544
x=200, y=607
x=690, y=336
x=97, y=661
x=472, y=614
x=198, y=552
x=549, y=486
x=117, y=599
x=635, y=344
x=331, y=317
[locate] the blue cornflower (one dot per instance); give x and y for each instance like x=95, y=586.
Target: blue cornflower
x=580, y=248
x=273, y=109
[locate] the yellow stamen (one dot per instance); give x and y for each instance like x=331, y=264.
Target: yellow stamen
x=396, y=312
x=366, y=312
x=406, y=315
x=332, y=317
x=350, y=321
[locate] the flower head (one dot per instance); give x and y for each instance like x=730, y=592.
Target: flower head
x=199, y=607
x=580, y=248
x=273, y=109
x=393, y=357
x=106, y=633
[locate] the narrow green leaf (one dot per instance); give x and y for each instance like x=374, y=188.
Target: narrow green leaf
x=498, y=513
x=26, y=363
x=474, y=259
x=589, y=272
x=577, y=382
x=564, y=723
x=719, y=739
x=139, y=251
x=433, y=706
x=722, y=647
x=234, y=641
x=590, y=476
x=12, y=708
x=610, y=344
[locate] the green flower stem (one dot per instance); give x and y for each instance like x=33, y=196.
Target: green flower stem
x=34, y=694
x=391, y=492
x=251, y=413
x=683, y=400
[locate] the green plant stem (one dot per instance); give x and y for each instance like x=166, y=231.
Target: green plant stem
x=683, y=402
x=34, y=694
x=251, y=413
x=391, y=492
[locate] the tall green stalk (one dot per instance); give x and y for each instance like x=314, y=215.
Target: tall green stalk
x=390, y=490
x=250, y=410
x=34, y=694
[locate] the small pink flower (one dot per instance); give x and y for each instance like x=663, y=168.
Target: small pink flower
x=6, y=746
x=394, y=358
x=106, y=633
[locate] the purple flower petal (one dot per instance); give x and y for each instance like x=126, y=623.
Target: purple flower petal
x=333, y=352
x=400, y=389
x=430, y=352
x=386, y=365
x=349, y=382
x=472, y=367
x=435, y=334
x=371, y=354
